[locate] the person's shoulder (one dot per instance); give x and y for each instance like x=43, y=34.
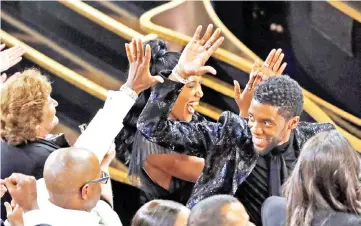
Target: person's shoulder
x=38, y=151
x=344, y=219
x=11, y=153
x=315, y=126
x=106, y=213
x=307, y=129
x=40, y=145
x=233, y=124
x=349, y=219
x=230, y=117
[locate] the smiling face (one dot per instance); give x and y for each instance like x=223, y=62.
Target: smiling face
x=268, y=127
x=189, y=97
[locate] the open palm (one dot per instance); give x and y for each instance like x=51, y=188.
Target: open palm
x=272, y=66
x=139, y=77
x=198, y=51
x=10, y=57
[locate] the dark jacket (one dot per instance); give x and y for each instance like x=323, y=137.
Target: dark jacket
x=28, y=159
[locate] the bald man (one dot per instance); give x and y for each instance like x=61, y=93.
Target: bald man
x=67, y=173
x=75, y=180
x=69, y=194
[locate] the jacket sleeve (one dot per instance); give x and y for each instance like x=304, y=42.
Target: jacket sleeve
x=179, y=136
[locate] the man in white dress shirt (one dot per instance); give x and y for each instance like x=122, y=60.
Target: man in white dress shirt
x=69, y=194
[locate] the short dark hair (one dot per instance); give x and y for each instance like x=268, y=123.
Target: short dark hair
x=208, y=211
x=282, y=92
x=157, y=212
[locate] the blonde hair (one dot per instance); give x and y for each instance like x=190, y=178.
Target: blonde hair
x=22, y=106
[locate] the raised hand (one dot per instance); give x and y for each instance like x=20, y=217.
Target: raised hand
x=10, y=57
x=139, y=77
x=272, y=65
x=244, y=99
x=22, y=189
x=198, y=51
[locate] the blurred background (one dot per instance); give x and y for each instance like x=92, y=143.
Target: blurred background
x=80, y=45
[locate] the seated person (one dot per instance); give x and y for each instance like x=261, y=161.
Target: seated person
x=243, y=156
x=161, y=212
x=28, y=116
x=323, y=189
x=219, y=210
x=70, y=192
x=161, y=172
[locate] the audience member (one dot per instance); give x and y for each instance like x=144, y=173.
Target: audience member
x=324, y=188
x=161, y=212
x=274, y=211
x=69, y=193
x=160, y=172
x=74, y=181
x=243, y=155
x=219, y=210
x=28, y=116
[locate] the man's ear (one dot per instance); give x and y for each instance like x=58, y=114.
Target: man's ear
x=85, y=191
x=294, y=122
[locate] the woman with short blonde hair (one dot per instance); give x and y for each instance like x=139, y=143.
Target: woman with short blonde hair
x=27, y=110
x=27, y=117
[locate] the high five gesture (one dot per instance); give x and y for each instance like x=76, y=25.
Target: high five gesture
x=139, y=77
x=198, y=51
